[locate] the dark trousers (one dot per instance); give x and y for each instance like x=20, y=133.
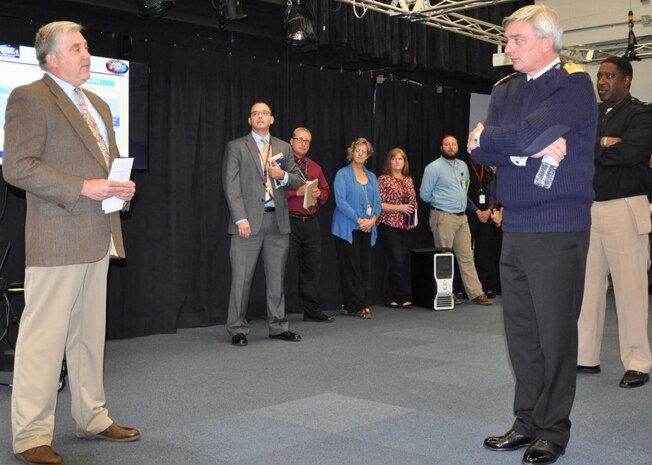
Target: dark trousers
x=305, y=244
x=542, y=281
x=396, y=244
x=484, y=252
x=353, y=263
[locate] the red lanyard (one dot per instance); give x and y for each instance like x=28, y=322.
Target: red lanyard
x=480, y=176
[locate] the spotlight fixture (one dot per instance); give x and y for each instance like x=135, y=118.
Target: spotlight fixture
x=630, y=54
x=298, y=23
x=154, y=7
x=228, y=11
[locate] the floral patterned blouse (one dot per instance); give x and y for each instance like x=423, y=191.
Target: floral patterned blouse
x=395, y=191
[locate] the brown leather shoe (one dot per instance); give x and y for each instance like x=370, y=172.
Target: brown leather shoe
x=41, y=455
x=118, y=433
x=482, y=299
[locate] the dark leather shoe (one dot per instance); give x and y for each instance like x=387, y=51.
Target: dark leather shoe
x=239, y=340
x=319, y=317
x=41, y=455
x=542, y=452
x=286, y=336
x=588, y=369
x=634, y=379
x=117, y=433
x=511, y=440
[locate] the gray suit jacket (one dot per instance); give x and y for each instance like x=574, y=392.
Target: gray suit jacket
x=49, y=151
x=242, y=176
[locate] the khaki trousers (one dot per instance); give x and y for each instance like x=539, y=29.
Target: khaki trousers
x=619, y=245
x=65, y=310
x=452, y=232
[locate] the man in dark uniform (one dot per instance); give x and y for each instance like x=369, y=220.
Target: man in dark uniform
x=544, y=113
x=620, y=227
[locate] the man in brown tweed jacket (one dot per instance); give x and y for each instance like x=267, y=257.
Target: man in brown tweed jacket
x=61, y=161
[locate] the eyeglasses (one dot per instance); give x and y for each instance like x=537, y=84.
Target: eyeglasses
x=261, y=113
x=301, y=140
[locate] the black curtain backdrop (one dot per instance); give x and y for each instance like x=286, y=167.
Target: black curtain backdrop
x=177, y=273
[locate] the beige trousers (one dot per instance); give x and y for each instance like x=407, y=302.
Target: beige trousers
x=620, y=246
x=452, y=232
x=65, y=310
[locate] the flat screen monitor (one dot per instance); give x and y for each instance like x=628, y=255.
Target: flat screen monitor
x=123, y=85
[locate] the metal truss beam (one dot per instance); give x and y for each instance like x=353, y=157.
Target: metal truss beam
x=595, y=53
x=445, y=15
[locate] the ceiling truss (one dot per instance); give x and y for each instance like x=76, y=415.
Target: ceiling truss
x=446, y=15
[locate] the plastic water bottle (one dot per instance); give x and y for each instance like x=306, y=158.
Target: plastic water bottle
x=546, y=174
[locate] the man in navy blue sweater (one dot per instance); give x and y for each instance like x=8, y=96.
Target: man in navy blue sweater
x=546, y=108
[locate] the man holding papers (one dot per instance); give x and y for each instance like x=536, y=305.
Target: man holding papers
x=254, y=179
x=305, y=239
x=59, y=146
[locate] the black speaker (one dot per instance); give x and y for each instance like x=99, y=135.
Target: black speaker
x=424, y=288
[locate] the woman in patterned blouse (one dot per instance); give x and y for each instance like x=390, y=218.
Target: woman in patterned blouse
x=399, y=202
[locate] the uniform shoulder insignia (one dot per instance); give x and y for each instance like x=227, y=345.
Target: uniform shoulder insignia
x=573, y=68
x=506, y=78
x=636, y=101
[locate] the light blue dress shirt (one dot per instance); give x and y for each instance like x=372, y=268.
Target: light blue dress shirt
x=444, y=186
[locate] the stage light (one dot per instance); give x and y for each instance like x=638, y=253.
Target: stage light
x=154, y=7
x=229, y=10
x=298, y=23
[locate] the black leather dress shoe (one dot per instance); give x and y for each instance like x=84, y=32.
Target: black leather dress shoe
x=634, y=379
x=319, y=317
x=542, y=452
x=588, y=369
x=286, y=336
x=239, y=340
x=511, y=440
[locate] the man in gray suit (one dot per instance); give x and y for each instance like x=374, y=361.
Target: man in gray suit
x=254, y=179
x=59, y=143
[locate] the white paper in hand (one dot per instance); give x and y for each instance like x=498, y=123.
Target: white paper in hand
x=120, y=171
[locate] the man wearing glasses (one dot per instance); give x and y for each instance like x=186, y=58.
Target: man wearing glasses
x=255, y=170
x=305, y=239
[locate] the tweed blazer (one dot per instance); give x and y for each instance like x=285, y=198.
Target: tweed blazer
x=49, y=151
x=242, y=176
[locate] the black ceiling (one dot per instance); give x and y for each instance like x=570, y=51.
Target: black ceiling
x=264, y=17
x=195, y=23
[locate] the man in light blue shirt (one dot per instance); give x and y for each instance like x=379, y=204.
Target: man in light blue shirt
x=444, y=186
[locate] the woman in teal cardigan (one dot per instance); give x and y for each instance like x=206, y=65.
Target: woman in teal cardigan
x=357, y=208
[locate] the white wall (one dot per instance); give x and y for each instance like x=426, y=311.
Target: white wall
x=591, y=21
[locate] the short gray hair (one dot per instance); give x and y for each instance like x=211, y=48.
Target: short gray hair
x=47, y=39
x=294, y=133
x=544, y=20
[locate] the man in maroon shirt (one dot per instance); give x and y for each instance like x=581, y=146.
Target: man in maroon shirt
x=305, y=238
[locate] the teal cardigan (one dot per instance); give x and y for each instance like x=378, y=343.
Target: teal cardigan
x=351, y=203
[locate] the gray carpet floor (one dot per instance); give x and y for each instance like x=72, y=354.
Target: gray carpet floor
x=409, y=387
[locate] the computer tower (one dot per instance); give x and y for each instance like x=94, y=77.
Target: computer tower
x=444, y=272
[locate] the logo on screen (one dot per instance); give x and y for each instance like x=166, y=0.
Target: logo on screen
x=9, y=51
x=117, y=67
